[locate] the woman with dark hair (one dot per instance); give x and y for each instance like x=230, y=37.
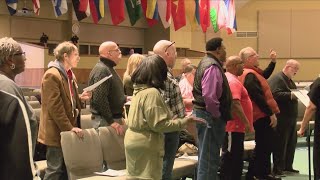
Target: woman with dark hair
x=149, y=117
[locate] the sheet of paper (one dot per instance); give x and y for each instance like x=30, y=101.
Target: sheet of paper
x=113, y=173
x=95, y=85
x=189, y=157
x=302, y=96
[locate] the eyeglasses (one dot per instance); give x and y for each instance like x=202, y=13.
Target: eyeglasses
x=23, y=54
x=115, y=50
x=169, y=46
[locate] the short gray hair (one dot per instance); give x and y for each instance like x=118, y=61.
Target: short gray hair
x=64, y=47
x=8, y=47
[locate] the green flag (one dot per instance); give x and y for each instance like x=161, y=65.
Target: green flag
x=214, y=19
x=134, y=10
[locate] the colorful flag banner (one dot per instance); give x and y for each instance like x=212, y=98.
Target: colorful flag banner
x=12, y=6
x=60, y=7
x=134, y=10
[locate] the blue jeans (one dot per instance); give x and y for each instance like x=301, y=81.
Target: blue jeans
x=211, y=136
x=56, y=169
x=171, y=142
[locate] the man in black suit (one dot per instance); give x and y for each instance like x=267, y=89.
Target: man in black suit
x=286, y=135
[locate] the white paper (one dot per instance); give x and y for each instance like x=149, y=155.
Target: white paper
x=189, y=157
x=113, y=173
x=302, y=95
x=95, y=85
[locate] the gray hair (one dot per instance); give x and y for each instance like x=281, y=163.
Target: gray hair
x=64, y=47
x=8, y=47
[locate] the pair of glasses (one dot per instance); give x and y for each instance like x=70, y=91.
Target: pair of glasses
x=115, y=50
x=169, y=46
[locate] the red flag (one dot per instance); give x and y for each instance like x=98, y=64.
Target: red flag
x=151, y=22
x=178, y=15
x=117, y=11
x=94, y=11
x=83, y=5
x=204, y=8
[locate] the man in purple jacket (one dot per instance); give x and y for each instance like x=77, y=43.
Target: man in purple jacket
x=212, y=102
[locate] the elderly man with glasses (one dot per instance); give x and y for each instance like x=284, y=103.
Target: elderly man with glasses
x=107, y=99
x=286, y=136
x=265, y=109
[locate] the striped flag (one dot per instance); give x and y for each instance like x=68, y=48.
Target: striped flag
x=95, y=10
x=36, y=7
x=164, y=12
x=59, y=7
x=151, y=22
x=117, y=11
x=151, y=7
x=12, y=6
x=178, y=15
x=231, y=23
x=79, y=14
x=134, y=10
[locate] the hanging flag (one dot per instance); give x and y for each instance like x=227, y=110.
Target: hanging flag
x=151, y=22
x=156, y=13
x=151, y=6
x=95, y=10
x=204, y=7
x=117, y=11
x=162, y=8
x=134, y=10
x=12, y=6
x=214, y=8
x=84, y=5
x=178, y=15
x=101, y=8
x=36, y=7
x=79, y=14
x=231, y=23
x=59, y=7
x=197, y=11
x=190, y=6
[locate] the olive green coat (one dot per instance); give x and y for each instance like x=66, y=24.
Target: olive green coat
x=149, y=117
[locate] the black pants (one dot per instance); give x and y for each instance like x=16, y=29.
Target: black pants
x=260, y=164
x=286, y=141
x=232, y=154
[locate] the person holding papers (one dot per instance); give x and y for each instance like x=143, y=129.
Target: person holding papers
x=60, y=108
x=313, y=109
x=107, y=100
x=286, y=136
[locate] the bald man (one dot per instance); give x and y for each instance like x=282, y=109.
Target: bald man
x=232, y=148
x=107, y=100
x=286, y=135
x=167, y=51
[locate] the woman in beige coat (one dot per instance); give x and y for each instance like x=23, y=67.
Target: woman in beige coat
x=149, y=117
x=60, y=107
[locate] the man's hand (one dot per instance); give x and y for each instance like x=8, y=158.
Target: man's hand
x=273, y=122
x=119, y=129
x=86, y=95
x=78, y=131
x=273, y=55
x=300, y=133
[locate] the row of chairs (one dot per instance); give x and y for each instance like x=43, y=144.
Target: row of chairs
x=85, y=156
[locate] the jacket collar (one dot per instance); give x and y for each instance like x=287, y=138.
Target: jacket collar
x=107, y=62
x=215, y=58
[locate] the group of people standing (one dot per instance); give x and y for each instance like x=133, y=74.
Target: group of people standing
x=223, y=105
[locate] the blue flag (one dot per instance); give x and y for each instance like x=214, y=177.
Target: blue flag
x=12, y=6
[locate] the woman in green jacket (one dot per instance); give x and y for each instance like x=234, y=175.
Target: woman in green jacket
x=149, y=117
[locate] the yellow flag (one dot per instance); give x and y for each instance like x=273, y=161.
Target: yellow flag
x=101, y=8
x=190, y=6
x=151, y=7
